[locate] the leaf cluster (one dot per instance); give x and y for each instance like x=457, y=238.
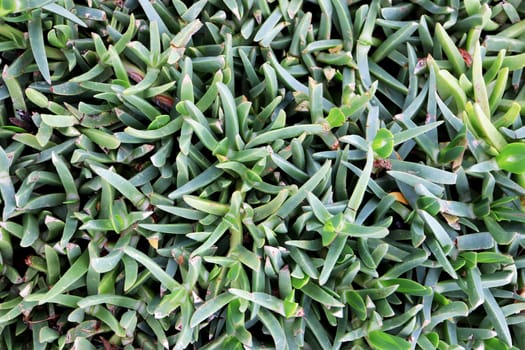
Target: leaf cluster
x=228, y=174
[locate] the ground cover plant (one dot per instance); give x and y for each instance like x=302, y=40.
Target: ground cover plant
x=229, y=174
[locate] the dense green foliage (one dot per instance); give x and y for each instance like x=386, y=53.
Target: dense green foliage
x=231, y=174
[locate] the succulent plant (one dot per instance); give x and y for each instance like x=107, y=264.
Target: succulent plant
x=232, y=174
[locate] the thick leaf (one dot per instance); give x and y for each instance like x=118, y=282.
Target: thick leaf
x=511, y=158
x=210, y=307
x=383, y=143
x=77, y=270
x=383, y=341
x=7, y=189
x=36, y=38
x=123, y=186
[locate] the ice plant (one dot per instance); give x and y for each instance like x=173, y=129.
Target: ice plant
x=245, y=174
